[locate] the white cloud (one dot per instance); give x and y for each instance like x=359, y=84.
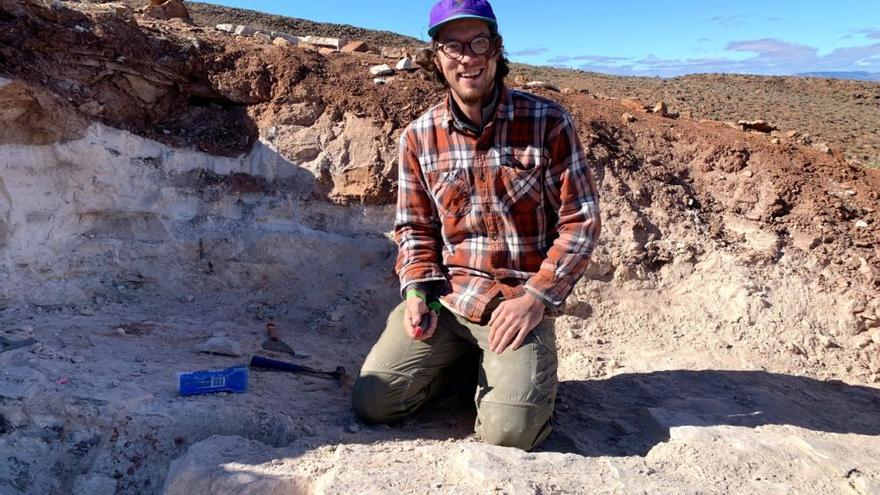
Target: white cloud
x=768, y=56
x=729, y=20
x=529, y=52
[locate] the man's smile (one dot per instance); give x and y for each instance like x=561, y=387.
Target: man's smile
x=471, y=74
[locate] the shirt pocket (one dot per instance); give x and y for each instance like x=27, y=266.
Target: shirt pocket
x=451, y=192
x=522, y=179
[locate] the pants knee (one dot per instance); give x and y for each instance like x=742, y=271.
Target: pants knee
x=513, y=425
x=373, y=398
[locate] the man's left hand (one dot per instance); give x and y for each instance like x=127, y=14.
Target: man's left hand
x=512, y=321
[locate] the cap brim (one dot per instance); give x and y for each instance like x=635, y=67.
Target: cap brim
x=433, y=29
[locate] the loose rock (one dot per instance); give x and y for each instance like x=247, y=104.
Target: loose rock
x=660, y=109
x=633, y=104
x=322, y=41
x=381, y=70
x=824, y=148
x=542, y=84
x=220, y=344
x=356, y=47
x=405, y=64
x=171, y=9
x=757, y=125
x=393, y=52
x=245, y=31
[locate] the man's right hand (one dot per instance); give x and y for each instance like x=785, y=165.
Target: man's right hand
x=412, y=314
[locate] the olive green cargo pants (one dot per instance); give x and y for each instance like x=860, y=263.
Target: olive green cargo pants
x=515, y=390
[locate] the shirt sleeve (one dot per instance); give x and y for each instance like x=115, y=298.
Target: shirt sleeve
x=572, y=195
x=416, y=228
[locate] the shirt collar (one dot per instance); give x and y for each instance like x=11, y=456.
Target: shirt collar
x=503, y=108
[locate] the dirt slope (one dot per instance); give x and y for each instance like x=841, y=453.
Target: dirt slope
x=163, y=182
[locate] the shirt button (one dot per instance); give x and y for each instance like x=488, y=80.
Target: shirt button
x=482, y=176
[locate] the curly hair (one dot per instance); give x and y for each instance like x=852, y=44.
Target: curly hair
x=425, y=60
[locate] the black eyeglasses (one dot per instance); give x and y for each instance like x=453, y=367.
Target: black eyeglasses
x=481, y=45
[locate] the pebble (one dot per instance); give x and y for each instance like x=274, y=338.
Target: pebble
x=861, y=224
x=862, y=341
x=353, y=428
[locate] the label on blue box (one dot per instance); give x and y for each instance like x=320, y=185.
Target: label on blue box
x=233, y=380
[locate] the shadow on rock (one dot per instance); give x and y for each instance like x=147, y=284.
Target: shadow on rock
x=631, y=413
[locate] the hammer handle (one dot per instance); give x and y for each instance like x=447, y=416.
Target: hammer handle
x=272, y=330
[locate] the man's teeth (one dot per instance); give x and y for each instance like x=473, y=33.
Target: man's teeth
x=472, y=74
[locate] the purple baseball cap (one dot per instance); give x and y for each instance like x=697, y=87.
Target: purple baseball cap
x=451, y=10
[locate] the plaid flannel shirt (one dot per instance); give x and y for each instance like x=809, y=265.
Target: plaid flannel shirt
x=512, y=210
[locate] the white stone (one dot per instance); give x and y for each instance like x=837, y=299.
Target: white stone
x=381, y=70
x=542, y=84
x=289, y=37
x=861, y=224
x=4, y=81
x=261, y=36
x=245, y=31
x=222, y=345
x=227, y=28
x=379, y=80
x=405, y=64
x=322, y=41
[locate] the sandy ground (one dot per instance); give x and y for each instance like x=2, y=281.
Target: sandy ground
x=725, y=339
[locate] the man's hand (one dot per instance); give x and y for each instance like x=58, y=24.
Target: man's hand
x=412, y=314
x=512, y=321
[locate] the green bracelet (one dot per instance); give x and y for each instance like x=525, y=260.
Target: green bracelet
x=435, y=306
x=415, y=293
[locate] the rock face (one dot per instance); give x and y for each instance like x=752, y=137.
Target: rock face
x=159, y=188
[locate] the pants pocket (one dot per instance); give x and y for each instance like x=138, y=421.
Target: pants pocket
x=545, y=361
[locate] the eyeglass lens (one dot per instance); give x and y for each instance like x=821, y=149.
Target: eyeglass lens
x=478, y=46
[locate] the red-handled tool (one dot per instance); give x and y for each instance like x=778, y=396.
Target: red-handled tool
x=424, y=325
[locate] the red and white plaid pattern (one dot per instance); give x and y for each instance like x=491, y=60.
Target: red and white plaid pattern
x=512, y=210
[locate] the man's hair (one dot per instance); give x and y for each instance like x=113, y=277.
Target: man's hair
x=425, y=60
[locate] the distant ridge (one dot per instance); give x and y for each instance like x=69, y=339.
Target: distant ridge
x=855, y=75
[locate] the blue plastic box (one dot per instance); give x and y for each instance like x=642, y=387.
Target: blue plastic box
x=233, y=380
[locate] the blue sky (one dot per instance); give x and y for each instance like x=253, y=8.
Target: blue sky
x=645, y=37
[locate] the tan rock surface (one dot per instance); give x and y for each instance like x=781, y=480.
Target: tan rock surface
x=174, y=182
